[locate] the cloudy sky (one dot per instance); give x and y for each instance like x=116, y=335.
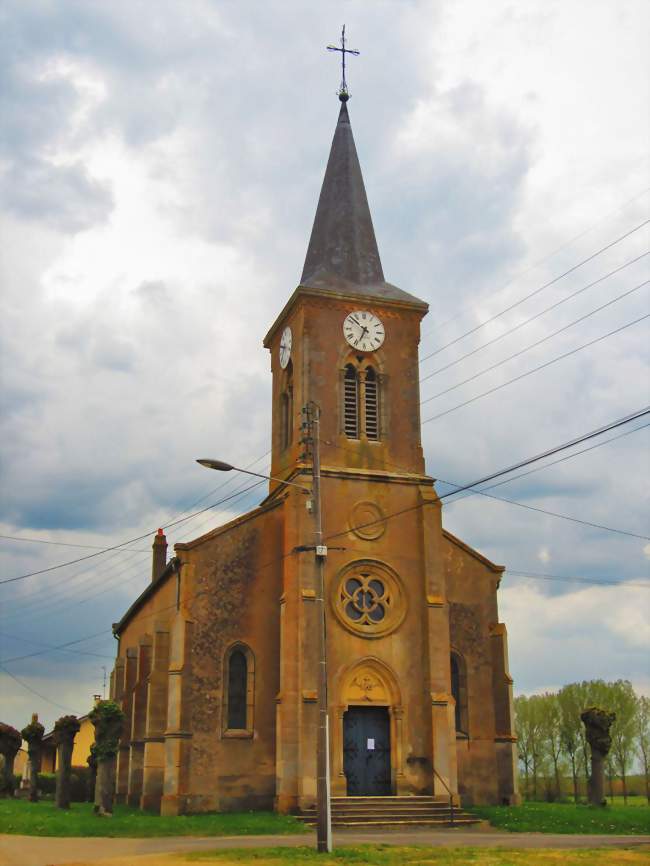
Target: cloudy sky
x=160, y=165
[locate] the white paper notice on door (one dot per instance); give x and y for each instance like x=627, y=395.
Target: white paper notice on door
x=371, y=744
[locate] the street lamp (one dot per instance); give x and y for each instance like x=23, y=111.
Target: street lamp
x=323, y=802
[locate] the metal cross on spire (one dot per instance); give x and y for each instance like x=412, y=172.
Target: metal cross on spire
x=343, y=90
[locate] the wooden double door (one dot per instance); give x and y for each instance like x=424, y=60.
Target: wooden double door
x=366, y=751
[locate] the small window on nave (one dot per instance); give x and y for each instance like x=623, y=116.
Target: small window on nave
x=351, y=402
x=239, y=692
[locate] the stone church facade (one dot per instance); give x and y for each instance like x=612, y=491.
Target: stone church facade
x=217, y=668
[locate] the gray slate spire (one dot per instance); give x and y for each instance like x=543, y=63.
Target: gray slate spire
x=342, y=255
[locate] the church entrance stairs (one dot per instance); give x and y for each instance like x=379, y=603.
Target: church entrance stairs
x=395, y=812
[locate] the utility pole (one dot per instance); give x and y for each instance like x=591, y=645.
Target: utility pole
x=323, y=802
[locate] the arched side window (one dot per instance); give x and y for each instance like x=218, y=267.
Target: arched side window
x=286, y=411
x=371, y=400
x=238, y=692
x=459, y=691
x=351, y=402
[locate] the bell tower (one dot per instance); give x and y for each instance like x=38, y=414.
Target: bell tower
x=347, y=339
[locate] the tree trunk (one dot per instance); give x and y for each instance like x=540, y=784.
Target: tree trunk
x=35, y=761
x=92, y=782
x=105, y=787
x=624, y=780
x=576, y=795
x=64, y=759
x=558, y=783
x=526, y=771
x=597, y=780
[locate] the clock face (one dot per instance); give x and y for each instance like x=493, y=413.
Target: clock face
x=285, y=347
x=364, y=331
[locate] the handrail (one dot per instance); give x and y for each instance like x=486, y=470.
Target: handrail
x=451, y=797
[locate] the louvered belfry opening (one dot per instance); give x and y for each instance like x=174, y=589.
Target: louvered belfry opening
x=372, y=404
x=351, y=402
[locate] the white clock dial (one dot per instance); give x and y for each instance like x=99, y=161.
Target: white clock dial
x=363, y=331
x=285, y=347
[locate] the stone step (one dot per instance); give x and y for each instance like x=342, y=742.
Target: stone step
x=397, y=822
x=391, y=811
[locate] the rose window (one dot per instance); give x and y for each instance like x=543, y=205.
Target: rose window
x=369, y=599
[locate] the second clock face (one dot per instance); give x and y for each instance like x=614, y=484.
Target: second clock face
x=285, y=347
x=363, y=331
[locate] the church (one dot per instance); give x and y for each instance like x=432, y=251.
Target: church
x=217, y=664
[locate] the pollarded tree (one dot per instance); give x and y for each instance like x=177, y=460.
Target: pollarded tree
x=33, y=735
x=642, y=734
x=65, y=730
x=108, y=719
x=10, y=742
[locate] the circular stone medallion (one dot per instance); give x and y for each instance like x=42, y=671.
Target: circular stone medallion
x=367, y=520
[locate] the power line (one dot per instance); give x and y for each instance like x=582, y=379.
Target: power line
x=527, y=462
x=538, y=262
x=49, y=646
x=95, y=574
x=34, y=692
x=530, y=319
x=114, y=546
x=62, y=601
x=32, y=540
x=563, y=577
x=536, y=343
x=536, y=291
x=536, y=369
x=550, y=513
x=562, y=459
x=522, y=463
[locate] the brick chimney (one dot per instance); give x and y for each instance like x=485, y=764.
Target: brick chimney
x=159, y=560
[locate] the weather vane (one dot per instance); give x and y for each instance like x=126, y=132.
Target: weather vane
x=343, y=89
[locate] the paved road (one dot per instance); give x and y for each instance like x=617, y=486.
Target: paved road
x=50, y=851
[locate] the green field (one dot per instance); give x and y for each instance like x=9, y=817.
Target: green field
x=568, y=818
x=44, y=819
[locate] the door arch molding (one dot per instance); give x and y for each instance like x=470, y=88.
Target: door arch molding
x=368, y=682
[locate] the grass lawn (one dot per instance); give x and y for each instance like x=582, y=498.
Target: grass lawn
x=44, y=819
x=567, y=818
x=384, y=855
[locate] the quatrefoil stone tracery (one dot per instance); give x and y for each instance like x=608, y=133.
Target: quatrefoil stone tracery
x=365, y=599
x=368, y=598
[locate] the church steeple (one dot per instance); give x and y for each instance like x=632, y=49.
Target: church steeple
x=342, y=256
x=342, y=243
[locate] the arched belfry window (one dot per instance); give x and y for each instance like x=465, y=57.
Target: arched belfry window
x=351, y=402
x=286, y=410
x=371, y=401
x=238, y=692
x=459, y=691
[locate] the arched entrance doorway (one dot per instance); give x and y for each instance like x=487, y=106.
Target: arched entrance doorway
x=367, y=745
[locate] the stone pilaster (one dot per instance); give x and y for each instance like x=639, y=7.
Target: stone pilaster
x=156, y=723
x=124, y=752
x=505, y=740
x=288, y=712
x=443, y=727
x=178, y=739
x=139, y=721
